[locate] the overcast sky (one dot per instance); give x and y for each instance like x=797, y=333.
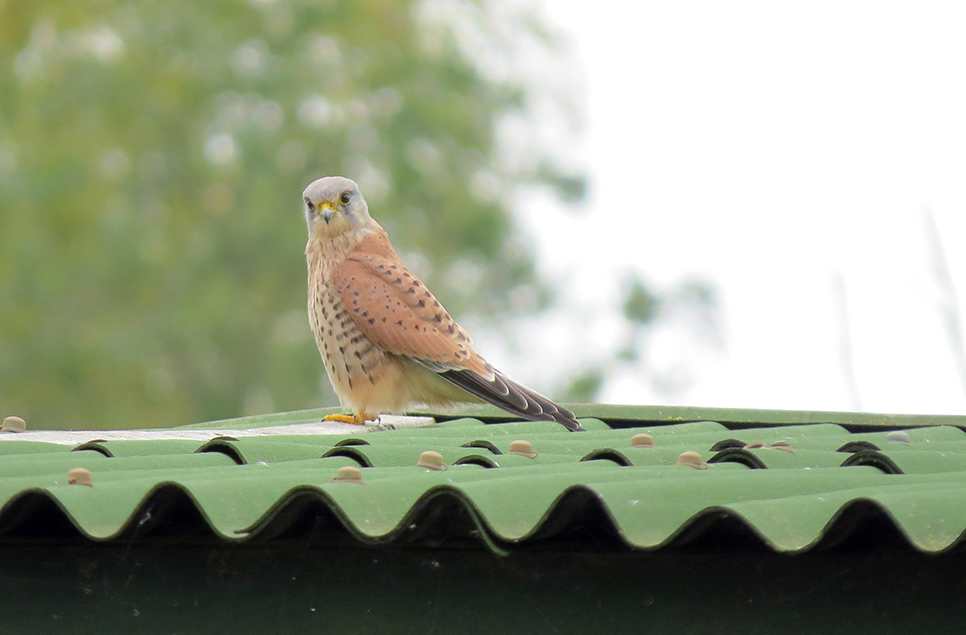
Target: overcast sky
x=773, y=149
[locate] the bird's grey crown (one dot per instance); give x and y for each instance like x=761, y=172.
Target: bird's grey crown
x=329, y=188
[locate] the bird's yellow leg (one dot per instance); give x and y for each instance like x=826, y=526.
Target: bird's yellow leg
x=340, y=418
x=360, y=419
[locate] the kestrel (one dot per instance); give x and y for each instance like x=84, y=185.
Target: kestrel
x=386, y=341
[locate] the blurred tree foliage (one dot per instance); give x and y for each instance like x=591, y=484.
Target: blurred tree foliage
x=152, y=157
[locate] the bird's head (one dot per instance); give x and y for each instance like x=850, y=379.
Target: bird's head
x=333, y=205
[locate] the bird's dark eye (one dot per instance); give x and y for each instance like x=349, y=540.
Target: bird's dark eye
x=309, y=204
x=345, y=198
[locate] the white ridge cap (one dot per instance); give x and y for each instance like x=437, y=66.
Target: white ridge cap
x=76, y=437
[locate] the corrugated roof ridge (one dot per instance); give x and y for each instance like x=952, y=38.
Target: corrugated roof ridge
x=731, y=417
x=520, y=498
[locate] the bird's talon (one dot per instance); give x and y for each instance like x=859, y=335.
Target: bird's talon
x=340, y=418
x=359, y=420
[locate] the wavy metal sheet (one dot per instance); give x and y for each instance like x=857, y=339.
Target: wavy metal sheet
x=791, y=487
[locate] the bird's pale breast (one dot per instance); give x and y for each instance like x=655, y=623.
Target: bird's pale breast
x=350, y=358
x=352, y=362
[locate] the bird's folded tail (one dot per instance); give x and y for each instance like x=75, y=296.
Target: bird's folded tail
x=519, y=400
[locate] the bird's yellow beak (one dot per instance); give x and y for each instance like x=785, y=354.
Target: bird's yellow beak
x=327, y=212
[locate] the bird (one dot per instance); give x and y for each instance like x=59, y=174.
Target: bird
x=385, y=340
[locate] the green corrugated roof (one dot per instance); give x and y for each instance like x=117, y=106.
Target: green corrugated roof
x=793, y=480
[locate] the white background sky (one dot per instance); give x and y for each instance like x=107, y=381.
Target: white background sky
x=769, y=147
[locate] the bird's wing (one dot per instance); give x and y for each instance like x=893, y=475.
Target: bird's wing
x=503, y=392
x=397, y=313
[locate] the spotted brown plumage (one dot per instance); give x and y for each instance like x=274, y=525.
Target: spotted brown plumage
x=386, y=341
